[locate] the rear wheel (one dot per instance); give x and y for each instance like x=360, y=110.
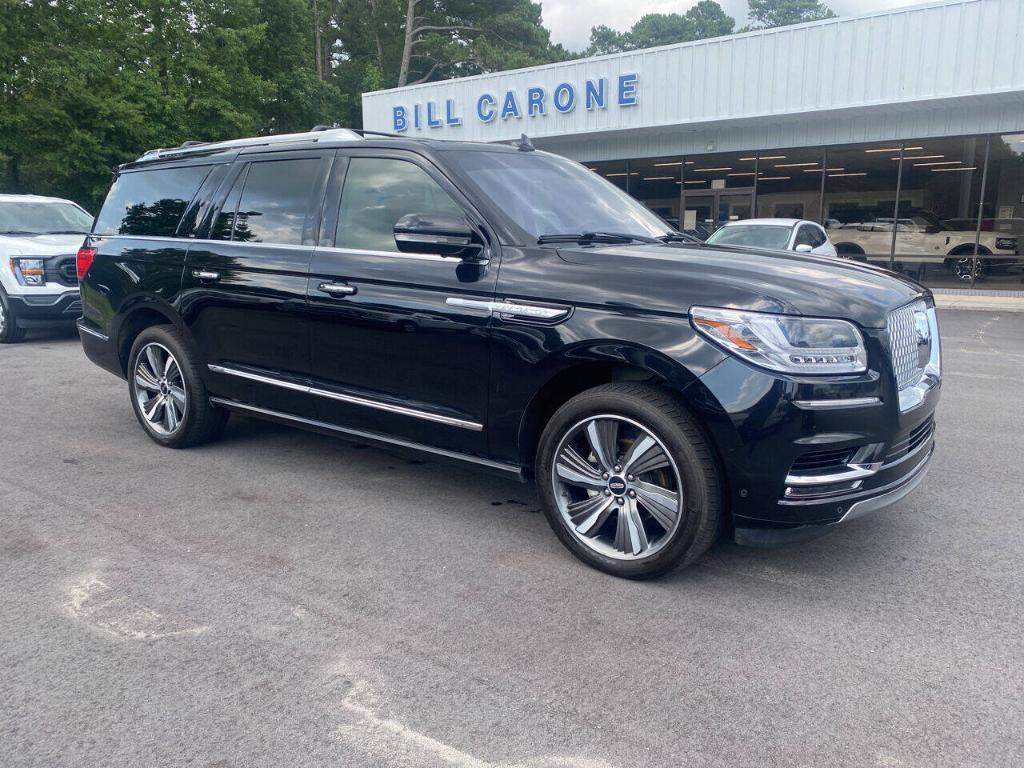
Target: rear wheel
x=10, y=333
x=628, y=481
x=167, y=392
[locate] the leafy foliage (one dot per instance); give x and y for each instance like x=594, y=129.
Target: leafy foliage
x=780, y=13
x=705, y=19
x=86, y=85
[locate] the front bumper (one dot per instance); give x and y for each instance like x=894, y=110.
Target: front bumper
x=43, y=310
x=878, y=500
x=802, y=454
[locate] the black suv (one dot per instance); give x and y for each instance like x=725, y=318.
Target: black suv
x=509, y=308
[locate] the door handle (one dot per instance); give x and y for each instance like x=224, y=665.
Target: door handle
x=205, y=275
x=337, y=289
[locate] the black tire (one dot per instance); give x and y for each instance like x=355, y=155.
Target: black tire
x=199, y=421
x=665, y=418
x=10, y=333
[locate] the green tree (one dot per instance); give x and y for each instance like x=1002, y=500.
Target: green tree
x=455, y=38
x=705, y=19
x=765, y=14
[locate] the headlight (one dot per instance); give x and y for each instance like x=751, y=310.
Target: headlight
x=29, y=271
x=787, y=343
x=1006, y=243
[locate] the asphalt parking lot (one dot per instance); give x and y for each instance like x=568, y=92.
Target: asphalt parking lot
x=282, y=598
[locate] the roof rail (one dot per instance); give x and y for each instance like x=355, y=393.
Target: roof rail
x=317, y=135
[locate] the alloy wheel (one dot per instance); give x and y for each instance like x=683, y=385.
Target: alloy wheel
x=3, y=318
x=617, y=487
x=159, y=389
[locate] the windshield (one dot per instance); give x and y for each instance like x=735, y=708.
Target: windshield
x=757, y=235
x=548, y=195
x=39, y=218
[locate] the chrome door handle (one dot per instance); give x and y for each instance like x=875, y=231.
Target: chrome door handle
x=337, y=289
x=205, y=274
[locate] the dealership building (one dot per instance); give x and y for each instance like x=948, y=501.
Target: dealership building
x=902, y=132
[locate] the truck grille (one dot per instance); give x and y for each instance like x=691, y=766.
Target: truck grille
x=61, y=270
x=908, y=358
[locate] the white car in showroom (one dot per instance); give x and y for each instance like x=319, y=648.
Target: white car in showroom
x=39, y=242
x=797, y=235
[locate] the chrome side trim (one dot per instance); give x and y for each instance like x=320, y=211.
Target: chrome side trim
x=351, y=399
x=854, y=472
x=848, y=402
x=501, y=466
x=390, y=254
x=91, y=332
x=511, y=309
x=403, y=237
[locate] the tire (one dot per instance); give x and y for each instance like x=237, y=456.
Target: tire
x=10, y=333
x=600, y=519
x=183, y=417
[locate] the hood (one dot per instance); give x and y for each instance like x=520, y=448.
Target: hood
x=765, y=281
x=39, y=245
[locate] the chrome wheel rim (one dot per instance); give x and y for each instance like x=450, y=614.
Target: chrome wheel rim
x=617, y=487
x=159, y=389
x=3, y=318
x=963, y=268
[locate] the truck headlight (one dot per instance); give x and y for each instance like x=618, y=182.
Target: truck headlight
x=29, y=271
x=787, y=343
x=1006, y=243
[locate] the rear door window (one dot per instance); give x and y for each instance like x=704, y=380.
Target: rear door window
x=805, y=236
x=149, y=203
x=276, y=199
x=380, y=191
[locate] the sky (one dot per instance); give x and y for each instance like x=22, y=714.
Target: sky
x=563, y=17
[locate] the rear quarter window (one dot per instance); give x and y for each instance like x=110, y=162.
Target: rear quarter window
x=149, y=203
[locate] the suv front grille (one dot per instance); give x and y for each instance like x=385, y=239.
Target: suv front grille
x=907, y=360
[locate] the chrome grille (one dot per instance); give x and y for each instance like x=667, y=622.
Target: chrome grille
x=907, y=361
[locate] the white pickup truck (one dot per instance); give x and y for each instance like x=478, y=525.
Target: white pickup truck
x=923, y=238
x=39, y=240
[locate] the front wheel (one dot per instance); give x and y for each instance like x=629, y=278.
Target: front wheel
x=10, y=333
x=167, y=392
x=628, y=480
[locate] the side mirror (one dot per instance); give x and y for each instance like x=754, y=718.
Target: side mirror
x=435, y=233
x=804, y=248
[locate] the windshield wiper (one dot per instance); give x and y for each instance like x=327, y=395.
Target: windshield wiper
x=18, y=232
x=66, y=232
x=586, y=238
x=679, y=237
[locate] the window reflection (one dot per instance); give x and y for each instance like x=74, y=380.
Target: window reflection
x=789, y=184
x=1002, y=220
x=655, y=182
x=860, y=199
x=717, y=188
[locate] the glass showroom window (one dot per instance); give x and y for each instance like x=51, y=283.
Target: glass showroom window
x=860, y=199
x=717, y=189
x=1001, y=227
x=789, y=183
x=656, y=183
x=938, y=212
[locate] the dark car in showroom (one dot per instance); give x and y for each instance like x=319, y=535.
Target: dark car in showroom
x=506, y=307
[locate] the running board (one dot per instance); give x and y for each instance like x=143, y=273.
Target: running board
x=373, y=436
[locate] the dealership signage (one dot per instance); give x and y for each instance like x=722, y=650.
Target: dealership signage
x=535, y=101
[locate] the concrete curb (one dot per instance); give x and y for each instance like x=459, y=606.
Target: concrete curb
x=983, y=303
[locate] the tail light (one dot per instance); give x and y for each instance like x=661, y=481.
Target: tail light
x=84, y=261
